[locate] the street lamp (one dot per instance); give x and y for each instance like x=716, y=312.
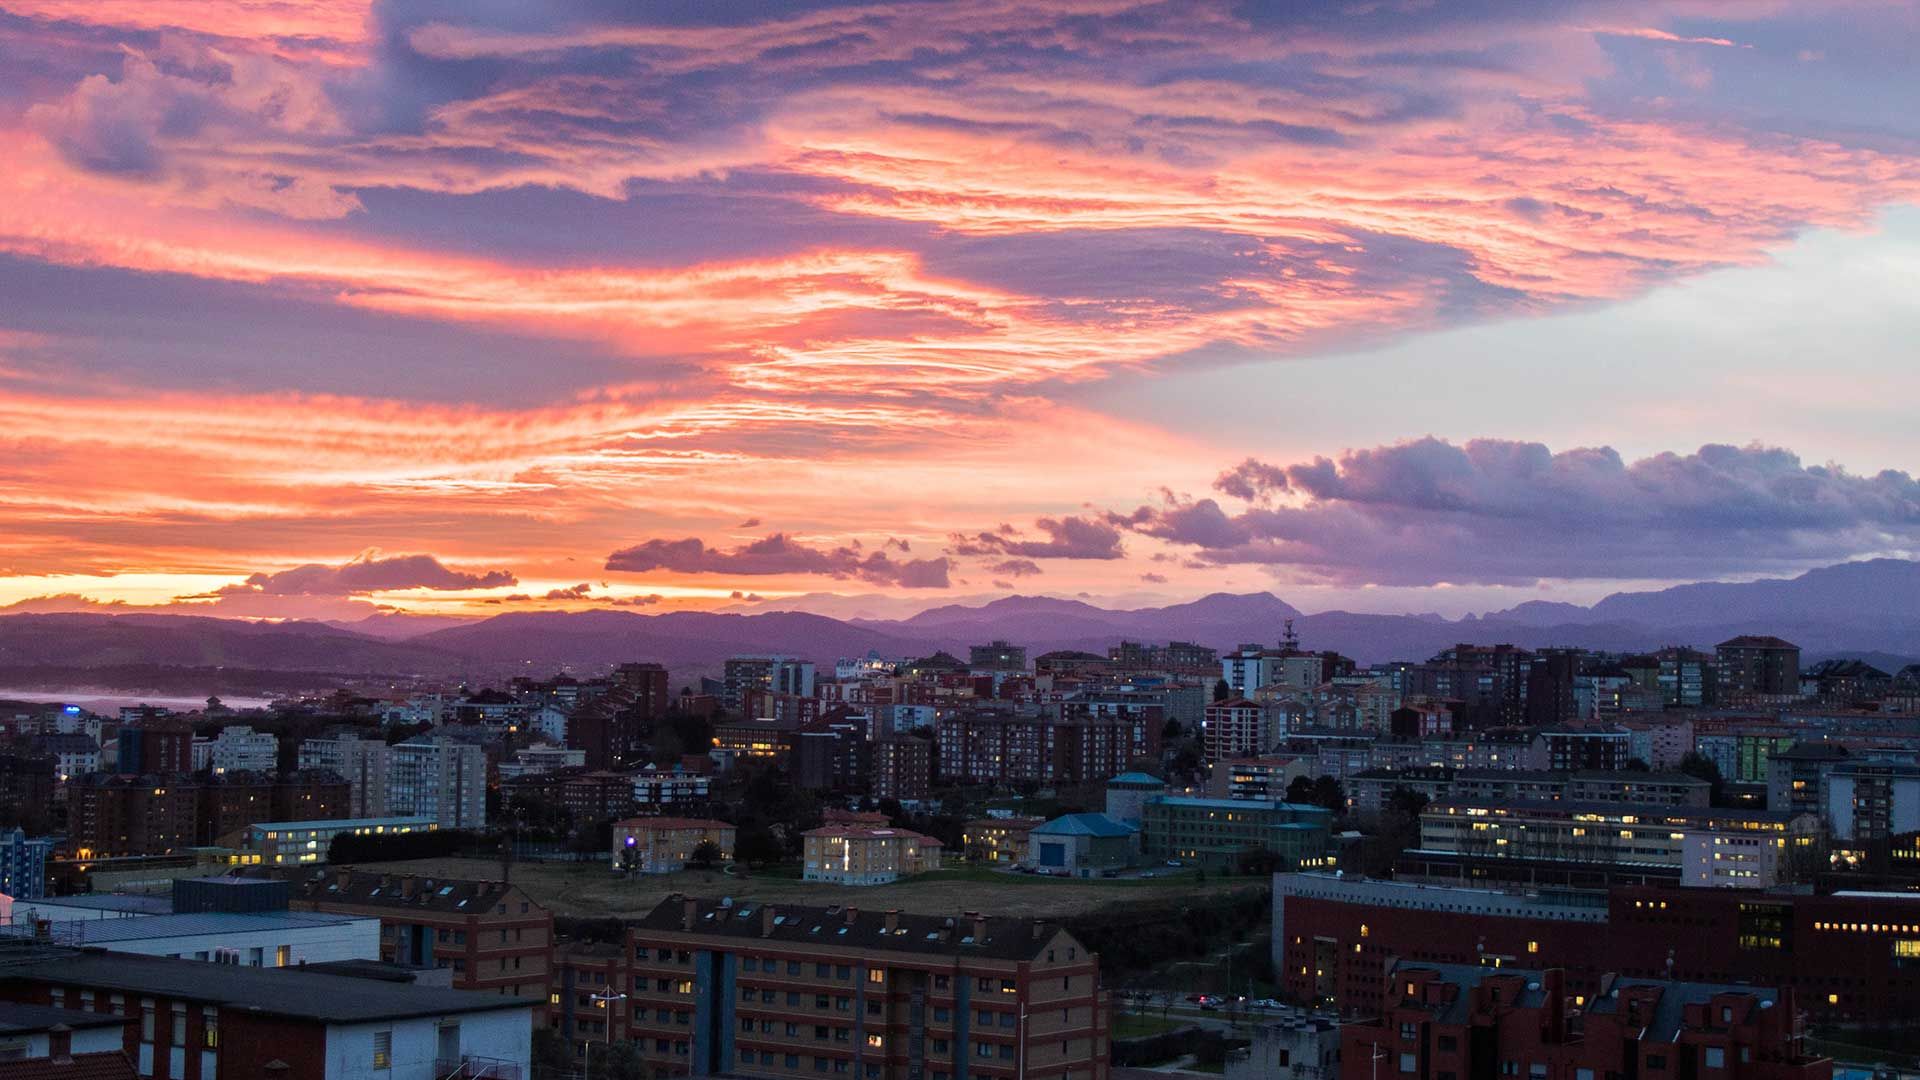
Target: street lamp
x=602, y=1000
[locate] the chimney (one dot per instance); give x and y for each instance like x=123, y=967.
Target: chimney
x=1553, y=982
x=407, y=886
x=893, y=919
x=979, y=925
x=689, y=911
x=60, y=1044
x=766, y=920
x=853, y=913
x=344, y=877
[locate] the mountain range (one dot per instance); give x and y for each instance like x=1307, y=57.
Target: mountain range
x=1857, y=609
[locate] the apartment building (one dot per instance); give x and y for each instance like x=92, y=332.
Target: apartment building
x=777, y=992
x=239, y=748
x=1068, y=747
x=866, y=855
x=999, y=841
x=1455, y=1020
x=901, y=768
x=362, y=761
x=438, y=778
x=490, y=935
x=1237, y=727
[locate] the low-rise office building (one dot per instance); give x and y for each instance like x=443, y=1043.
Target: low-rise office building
x=661, y=845
x=867, y=855
x=295, y=843
x=1218, y=833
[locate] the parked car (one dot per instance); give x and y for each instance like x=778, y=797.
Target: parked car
x=1267, y=1003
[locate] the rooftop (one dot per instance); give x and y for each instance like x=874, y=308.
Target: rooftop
x=27, y=1019
x=336, y=824
x=1133, y=779
x=1085, y=825
x=108, y=932
x=994, y=937
x=289, y=992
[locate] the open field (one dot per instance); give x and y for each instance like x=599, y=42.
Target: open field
x=590, y=889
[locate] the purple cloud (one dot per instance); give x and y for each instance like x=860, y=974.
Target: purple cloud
x=1067, y=538
x=1016, y=568
x=1496, y=511
x=369, y=573
x=780, y=554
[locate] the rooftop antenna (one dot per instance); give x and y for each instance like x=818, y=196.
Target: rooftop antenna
x=1289, y=639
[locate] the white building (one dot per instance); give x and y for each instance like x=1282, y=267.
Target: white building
x=439, y=778
x=658, y=790
x=362, y=761
x=30, y=1032
x=535, y=760
x=265, y=939
x=239, y=748
x=298, y=843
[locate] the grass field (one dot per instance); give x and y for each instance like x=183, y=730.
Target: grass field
x=591, y=889
x=1141, y=1025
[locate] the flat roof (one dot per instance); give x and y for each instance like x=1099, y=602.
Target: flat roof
x=27, y=1019
x=288, y=992
x=138, y=904
x=339, y=823
x=196, y=924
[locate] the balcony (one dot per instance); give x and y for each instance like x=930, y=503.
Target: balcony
x=467, y=1067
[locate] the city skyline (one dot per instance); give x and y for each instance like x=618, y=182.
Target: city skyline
x=322, y=309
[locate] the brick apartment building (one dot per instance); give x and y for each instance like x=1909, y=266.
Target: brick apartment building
x=901, y=768
x=111, y=816
x=1446, y=1021
x=1845, y=955
x=744, y=988
x=491, y=935
x=1066, y=748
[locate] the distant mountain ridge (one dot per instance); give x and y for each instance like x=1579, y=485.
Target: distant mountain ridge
x=1849, y=609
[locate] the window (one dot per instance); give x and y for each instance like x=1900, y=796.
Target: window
x=257, y=956
x=146, y=1019
x=941, y=982
x=1409, y=1063
x=843, y=972
x=876, y=1041
x=383, y=1049
x=876, y=975
x=793, y=997
x=820, y=971
x=984, y=1050
x=939, y=1046
x=983, y=985
x=1537, y=1071
x=1007, y=986
x=942, y=1014
x=179, y=1032
x=1007, y=1019
x=210, y=1028
x=1716, y=1058
x=1408, y=1031
x=747, y=963
x=793, y=967
x=1006, y=1053
x=1656, y=1061
x=1583, y=1074
x=820, y=1001
x=820, y=1032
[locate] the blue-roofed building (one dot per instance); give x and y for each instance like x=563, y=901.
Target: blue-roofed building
x=23, y=865
x=1083, y=845
x=1218, y=833
x=1127, y=792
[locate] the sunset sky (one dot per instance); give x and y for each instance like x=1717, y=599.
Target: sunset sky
x=464, y=306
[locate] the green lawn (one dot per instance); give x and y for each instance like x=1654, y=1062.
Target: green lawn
x=1142, y=1025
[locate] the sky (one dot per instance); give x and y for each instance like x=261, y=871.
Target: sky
x=321, y=309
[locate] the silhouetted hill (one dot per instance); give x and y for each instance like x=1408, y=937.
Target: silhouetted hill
x=588, y=639
x=83, y=641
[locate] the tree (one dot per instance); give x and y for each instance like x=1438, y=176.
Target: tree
x=1406, y=803
x=1327, y=793
x=1701, y=767
x=1172, y=731
x=758, y=846
x=706, y=855
x=629, y=859
x=1636, y=765
x=1300, y=790
x=1221, y=690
